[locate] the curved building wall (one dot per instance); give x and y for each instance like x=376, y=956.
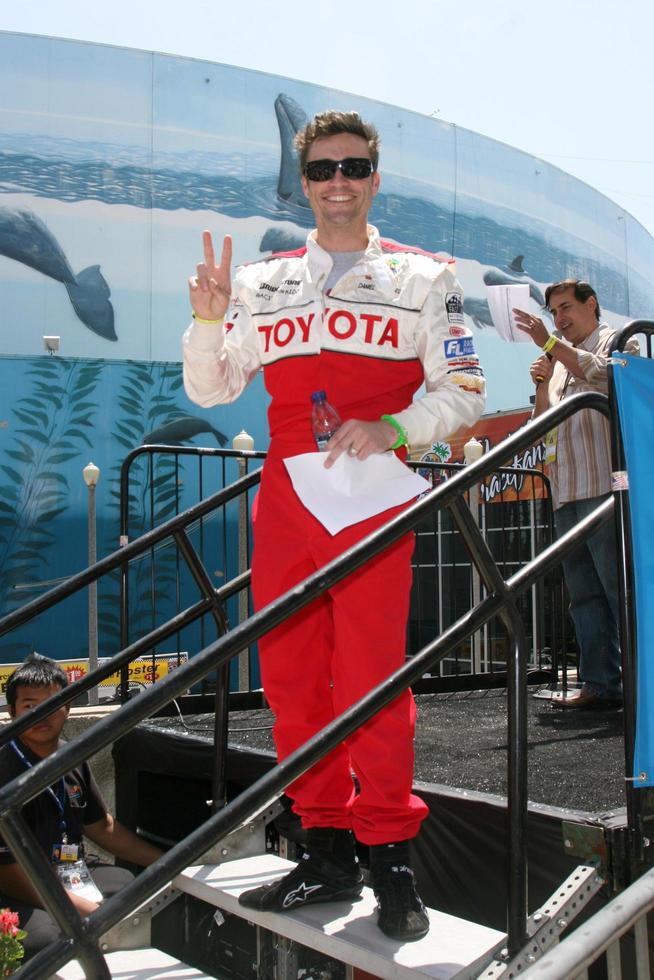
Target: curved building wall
x=112, y=161
x=118, y=158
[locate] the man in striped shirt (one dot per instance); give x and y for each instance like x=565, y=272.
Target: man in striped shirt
x=579, y=454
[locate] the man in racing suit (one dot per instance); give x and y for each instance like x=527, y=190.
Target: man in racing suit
x=369, y=322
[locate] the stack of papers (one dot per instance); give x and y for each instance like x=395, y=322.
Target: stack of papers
x=352, y=489
x=501, y=302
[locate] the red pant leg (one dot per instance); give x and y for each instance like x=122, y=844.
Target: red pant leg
x=296, y=657
x=352, y=638
x=370, y=616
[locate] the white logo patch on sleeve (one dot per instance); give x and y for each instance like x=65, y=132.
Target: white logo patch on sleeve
x=454, y=307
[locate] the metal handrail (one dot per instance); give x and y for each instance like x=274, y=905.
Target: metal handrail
x=150, y=452
x=221, y=694
x=257, y=797
x=516, y=473
x=511, y=476
x=117, y=558
x=77, y=582
x=154, y=448
x=631, y=329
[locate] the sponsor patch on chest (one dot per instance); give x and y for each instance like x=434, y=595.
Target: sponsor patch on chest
x=289, y=333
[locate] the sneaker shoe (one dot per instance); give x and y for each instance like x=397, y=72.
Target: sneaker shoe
x=317, y=877
x=402, y=914
x=585, y=699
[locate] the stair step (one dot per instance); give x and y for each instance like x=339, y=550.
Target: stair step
x=453, y=949
x=137, y=964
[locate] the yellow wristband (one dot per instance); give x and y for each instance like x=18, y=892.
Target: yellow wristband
x=549, y=343
x=212, y=323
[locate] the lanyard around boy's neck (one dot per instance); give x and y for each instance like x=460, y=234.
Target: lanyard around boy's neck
x=59, y=799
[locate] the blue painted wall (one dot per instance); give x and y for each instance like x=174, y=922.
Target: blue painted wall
x=111, y=163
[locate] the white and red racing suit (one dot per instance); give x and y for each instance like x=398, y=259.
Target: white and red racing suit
x=390, y=324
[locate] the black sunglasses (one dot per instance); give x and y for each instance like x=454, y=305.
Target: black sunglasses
x=353, y=168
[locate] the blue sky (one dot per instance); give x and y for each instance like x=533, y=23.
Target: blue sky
x=569, y=82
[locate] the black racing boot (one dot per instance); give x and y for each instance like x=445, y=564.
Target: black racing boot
x=401, y=912
x=328, y=871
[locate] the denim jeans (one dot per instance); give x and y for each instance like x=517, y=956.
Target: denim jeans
x=591, y=576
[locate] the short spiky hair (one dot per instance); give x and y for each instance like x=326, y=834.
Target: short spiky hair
x=35, y=671
x=332, y=123
x=583, y=292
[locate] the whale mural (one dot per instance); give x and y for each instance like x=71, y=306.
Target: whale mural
x=291, y=117
x=514, y=274
x=478, y=309
x=182, y=430
x=120, y=158
x=25, y=238
x=242, y=176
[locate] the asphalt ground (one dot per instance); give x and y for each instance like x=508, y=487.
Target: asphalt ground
x=575, y=758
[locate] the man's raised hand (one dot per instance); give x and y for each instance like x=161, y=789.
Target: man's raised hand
x=211, y=286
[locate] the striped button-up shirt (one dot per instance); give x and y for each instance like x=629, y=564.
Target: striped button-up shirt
x=582, y=468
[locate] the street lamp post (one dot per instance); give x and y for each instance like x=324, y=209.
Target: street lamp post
x=243, y=443
x=472, y=451
x=91, y=474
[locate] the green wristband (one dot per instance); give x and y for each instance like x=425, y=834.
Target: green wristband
x=402, y=438
x=549, y=343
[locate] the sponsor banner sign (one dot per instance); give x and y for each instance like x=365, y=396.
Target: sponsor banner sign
x=490, y=430
x=141, y=672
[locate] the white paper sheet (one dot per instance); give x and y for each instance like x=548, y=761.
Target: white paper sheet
x=352, y=490
x=501, y=301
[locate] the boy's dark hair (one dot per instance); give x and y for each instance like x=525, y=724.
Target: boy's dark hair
x=332, y=123
x=583, y=292
x=35, y=671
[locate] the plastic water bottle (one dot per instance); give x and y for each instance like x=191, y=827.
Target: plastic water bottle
x=325, y=420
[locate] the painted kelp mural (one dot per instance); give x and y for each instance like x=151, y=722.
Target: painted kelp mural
x=78, y=410
x=111, y=163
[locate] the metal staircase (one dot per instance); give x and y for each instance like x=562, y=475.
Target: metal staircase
x=347, y=931
x=454, y=948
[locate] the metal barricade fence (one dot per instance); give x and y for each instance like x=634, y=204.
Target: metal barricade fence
x=512, y=508
x=157, y=483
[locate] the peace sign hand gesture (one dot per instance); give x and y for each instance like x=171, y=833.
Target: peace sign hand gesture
x=211, y=287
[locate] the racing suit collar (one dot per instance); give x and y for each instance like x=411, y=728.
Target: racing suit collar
x=319, y=262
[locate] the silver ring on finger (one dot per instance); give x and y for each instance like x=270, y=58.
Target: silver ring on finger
x=353, y=451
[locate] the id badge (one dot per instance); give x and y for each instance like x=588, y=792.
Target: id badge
x=76, y=877
x=65, y=852
x=550, y=446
